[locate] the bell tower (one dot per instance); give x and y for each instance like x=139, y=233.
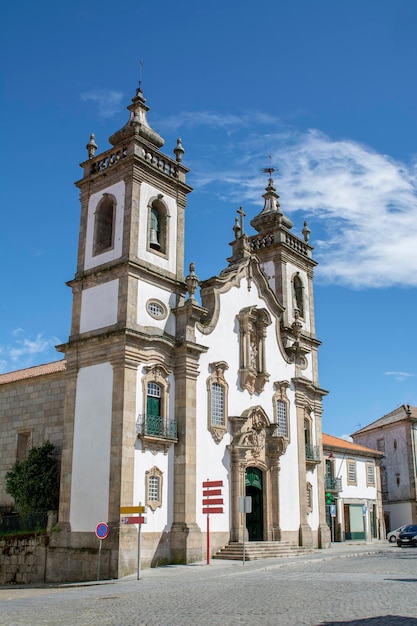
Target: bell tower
x=129, y=280
x=289, y=267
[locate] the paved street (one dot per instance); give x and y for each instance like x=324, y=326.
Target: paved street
x=345, y=585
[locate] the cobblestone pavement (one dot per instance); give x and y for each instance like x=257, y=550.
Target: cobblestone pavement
x=371, y=588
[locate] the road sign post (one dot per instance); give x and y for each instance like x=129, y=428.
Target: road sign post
x=211, y=505
x=102, y=531
x=135, y=519
x=245, y=506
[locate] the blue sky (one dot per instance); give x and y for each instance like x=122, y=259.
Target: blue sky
x=325, y=91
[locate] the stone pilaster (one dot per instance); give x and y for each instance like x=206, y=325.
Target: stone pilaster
x=186, y=543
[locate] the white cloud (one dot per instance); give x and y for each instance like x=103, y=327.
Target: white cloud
x=26, y=351
x=108, y=101
x=400, y=376
x=362, y=205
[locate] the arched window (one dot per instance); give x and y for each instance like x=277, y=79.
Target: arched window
x=282, y=420
x=158, y=226
x=104, y=225
x=298, y=294
x=217, y=391
x=281, y=406
x=217, y=404
x=153, y=488
x=155, y=422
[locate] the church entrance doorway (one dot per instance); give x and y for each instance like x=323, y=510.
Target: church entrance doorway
x=255, y=519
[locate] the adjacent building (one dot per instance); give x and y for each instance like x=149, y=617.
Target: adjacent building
x=353, y=490
x=395, y=436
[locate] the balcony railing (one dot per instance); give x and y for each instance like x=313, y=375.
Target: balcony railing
x=156, y=426
x=333, y=484
x=312, y=453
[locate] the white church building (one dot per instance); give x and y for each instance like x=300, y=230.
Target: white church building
x=171, y=380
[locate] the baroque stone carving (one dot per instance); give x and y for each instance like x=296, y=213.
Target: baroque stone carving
x=253, y=323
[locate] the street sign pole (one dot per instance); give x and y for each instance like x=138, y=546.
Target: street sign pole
x=208, y=538
x=99, y=559
x=102, y=531
x=139, y=540
x=139, y=519
x=211, y=504
x=245, y=506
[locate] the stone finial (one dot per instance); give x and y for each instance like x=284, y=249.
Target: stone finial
x=179, y=150
x=237, y=229
x=306, y=232
x=91, y=146
x=192, y=283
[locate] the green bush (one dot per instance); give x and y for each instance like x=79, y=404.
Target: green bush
x=34, y=483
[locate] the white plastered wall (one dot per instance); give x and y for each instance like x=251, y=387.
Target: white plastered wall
x=118, y=191
x=91, y=449
x=99, y=306
x=161, y=519
x=148, y=292
x=213, y=459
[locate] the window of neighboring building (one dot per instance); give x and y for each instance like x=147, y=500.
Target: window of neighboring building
x=23, y=446
x=153, y=488
x=370, y=474
x=217, y=393
x=380, y=444
x=104, y=224
x=351, y=472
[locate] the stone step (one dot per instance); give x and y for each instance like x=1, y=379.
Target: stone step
x=259, y=550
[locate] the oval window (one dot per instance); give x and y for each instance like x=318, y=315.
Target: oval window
x=156, y=309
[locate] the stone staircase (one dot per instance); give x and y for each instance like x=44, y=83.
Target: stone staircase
x=259, y=550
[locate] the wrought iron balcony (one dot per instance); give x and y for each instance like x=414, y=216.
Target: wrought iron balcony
x=156, y=426
x=333, y=484
x=312, y=454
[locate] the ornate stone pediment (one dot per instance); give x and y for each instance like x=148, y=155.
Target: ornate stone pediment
x=254, y=437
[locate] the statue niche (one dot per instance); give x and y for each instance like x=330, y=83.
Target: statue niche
x=253, y=323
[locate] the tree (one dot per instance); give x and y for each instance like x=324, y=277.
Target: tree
x=34, y=483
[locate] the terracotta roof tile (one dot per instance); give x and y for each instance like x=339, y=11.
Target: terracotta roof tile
x=32, y=372
x=337, y=442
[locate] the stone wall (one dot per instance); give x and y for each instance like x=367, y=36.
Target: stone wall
x=32, y=404
x=23, y=560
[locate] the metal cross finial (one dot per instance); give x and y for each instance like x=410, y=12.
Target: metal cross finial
x=242, y=214
x=140, y=73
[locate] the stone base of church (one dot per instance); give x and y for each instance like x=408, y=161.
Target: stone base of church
x=186, y=544
x=306, y=538
x=324, y=536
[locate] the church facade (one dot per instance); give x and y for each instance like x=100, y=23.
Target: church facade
x=172, y=381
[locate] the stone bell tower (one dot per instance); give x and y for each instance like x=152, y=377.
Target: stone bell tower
x=129, y=279
x=286, y=260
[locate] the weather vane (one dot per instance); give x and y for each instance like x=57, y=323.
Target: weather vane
x=140, y=73
x=269, y=170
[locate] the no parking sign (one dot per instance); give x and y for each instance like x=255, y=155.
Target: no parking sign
x=102, y=530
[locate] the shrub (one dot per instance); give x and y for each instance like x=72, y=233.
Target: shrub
x=34, y=483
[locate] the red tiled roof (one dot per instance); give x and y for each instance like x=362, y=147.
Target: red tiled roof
x=336, y=442
x=31, y=372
